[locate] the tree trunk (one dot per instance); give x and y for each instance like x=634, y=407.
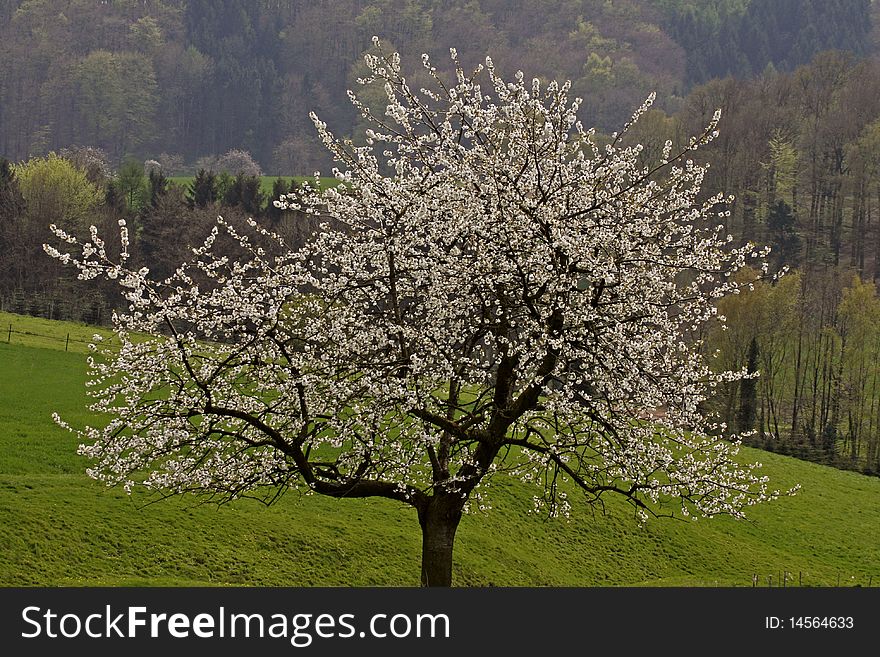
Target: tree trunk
x=439, y=520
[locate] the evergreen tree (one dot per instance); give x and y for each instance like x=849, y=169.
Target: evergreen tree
x=114, y=199
x=132, y=184
x=783, y=236
x=203, y=189
x=279, y=189
x=829, y=444
x=233, y=192
x=168, y=231
x=252, y=197
x=11, y=201
x=11, y=207
x=748, y=392
x=225, y=181
x=158, y=185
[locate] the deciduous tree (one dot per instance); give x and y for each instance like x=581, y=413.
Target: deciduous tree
x=55, y=191
x=490, y=292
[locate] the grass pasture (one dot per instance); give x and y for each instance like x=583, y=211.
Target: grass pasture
x=58, y=527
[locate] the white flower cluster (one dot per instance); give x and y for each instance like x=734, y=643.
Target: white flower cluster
x=494, y=289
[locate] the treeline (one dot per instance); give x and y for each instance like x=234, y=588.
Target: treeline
x=166, y=221
x=801, y=153
x=178, y=80
x=745, y=38
x=814, y=341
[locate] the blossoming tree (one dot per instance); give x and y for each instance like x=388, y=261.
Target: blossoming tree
x=490, y=291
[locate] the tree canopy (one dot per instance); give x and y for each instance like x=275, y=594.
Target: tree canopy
x=198, y=77
x=491, y=290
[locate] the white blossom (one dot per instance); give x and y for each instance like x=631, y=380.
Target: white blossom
x=492, y=289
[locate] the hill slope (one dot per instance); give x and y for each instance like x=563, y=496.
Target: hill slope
x=196, y=77
x=61, y=528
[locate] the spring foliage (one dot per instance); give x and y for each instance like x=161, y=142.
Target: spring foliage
x=491, y=289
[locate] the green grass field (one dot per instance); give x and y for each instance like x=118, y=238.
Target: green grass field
x=61, y=528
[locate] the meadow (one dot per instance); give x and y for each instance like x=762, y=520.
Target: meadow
x=60, y=528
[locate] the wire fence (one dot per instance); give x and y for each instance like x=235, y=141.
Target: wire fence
x=79, y=339
x=788, y=579
x=65, y=340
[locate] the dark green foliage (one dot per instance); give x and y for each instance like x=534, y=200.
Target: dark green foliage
x=11, y=202
x=783, y=237
x=225, y=192
x=241, y=39
x=203, y=189
x=252, y=198
x=748, y=392
x=114, y=199
x=131, y=183
x=736, y=37
x=279, y=189
x=233, y=189
x=158, y=185
x=245, y=192
x=206, y=76
x=169, y=228
x=829, y=443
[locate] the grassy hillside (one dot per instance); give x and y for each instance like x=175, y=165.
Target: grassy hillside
x=61, y=528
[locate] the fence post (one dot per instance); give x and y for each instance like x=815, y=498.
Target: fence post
x=9, y=335
x=67, y=342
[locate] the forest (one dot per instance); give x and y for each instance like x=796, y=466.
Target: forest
x=193, y=78
x=102, y=103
